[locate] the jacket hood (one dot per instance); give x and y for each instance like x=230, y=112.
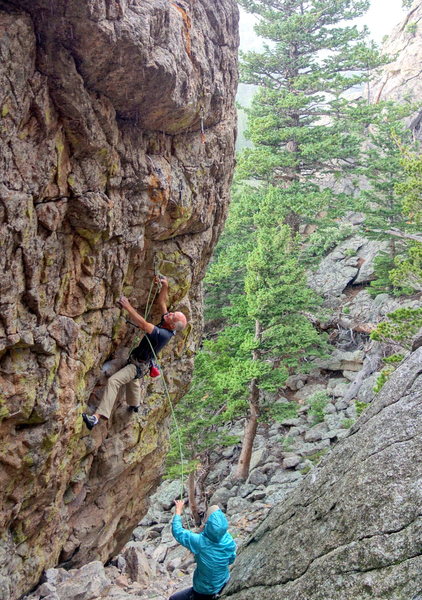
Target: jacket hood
x=216, y=526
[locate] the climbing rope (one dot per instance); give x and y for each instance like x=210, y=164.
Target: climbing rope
x=176, y=425
x=150, y=301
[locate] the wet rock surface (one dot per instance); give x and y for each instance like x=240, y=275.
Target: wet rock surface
x=105, y=178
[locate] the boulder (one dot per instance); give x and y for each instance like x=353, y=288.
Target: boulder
x=138, y=568
x=222, y=495
x=237, y=505
x=352, y=526
x=257, y=477
x=341, y=360
x=308, y=390
x=290, y=462
x=316, y=433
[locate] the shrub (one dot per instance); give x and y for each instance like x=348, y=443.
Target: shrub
x=318, y=401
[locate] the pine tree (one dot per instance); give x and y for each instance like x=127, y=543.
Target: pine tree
x=301, y=122
x=407, y=271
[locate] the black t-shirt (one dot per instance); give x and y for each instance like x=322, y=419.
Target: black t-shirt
x=159, y=337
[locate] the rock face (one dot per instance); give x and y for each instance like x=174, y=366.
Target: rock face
x=352, y=528
x=402, y=77
x=117, y=129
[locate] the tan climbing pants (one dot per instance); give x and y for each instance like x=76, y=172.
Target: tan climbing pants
x=126, y=377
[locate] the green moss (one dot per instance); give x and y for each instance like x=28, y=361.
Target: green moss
x=17, y=534
x=117, y=328
x=49, y=442
x=28, y=460
x=93, y=237
x=4, y=411
x=316, y=457
x=360, y=407
x=59, y=147
x=5, y=110
x=306, y=469
x=113, y=169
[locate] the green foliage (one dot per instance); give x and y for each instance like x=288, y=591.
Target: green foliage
x=410, y=189
x=347, y=423
x=281, y=411
x=383, y=269
x=381, y=166
x=401, y=326
x=323, y=240
x=412, y=28
x=287, y=443
x=318, y=402
x=360, y=407
x=407, y=272
x=382, y=379
x=317, y=456
x=300, y=123
x=201, y=416
x=396, y=201
x=394, y=358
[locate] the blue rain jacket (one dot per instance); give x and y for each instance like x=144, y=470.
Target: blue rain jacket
x=214, y=550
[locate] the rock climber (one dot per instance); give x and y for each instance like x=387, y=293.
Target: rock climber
x=214, y=550
x=141, y=358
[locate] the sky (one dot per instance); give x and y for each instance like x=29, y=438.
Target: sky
x=380, y=19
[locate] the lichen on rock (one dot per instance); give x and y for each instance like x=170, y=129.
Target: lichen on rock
x=105, y=177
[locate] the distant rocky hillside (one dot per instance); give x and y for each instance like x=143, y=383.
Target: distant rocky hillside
x=117, y=129
x=403, y=76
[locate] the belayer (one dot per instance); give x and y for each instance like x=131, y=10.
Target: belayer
x=141, y=358
x=214, y=550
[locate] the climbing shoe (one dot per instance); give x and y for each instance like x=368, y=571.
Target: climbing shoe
x=90, y=421
x=133, y=409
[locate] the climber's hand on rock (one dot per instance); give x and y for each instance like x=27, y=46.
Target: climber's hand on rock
x=124, y=303
x=161, y=280
x=179, y=506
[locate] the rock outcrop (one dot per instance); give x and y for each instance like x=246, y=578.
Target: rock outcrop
x=402, y=77
x=352, y=528
x=117, y=129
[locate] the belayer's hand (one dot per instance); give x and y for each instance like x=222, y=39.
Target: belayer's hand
x=179, y=506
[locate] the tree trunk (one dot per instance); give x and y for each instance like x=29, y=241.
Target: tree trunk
x=192, y=498
x=242, y=470
x=201, y=480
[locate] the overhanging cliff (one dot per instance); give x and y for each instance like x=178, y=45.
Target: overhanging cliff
x=117, y=128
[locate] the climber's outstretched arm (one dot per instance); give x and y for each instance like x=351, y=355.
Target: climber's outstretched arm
x=135, y=317
x=163, y=296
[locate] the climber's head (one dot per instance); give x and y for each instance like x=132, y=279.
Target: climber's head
x=176, y=321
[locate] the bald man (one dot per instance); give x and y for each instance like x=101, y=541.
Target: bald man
x=141, y=357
